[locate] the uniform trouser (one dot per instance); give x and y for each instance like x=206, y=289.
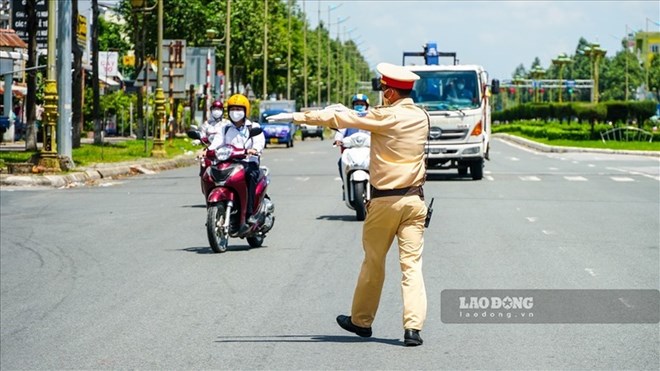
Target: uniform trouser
x=403, y=217
x=251, y=175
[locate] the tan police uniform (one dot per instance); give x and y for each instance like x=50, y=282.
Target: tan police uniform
x=398, y=137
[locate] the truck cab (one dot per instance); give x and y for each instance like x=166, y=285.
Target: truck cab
x=456, y=98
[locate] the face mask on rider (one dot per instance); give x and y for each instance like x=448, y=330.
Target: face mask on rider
x=360, y=107
x=236, y=115
x=216, y=113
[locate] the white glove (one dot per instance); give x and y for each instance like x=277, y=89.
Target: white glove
x=337, y=107
x=284, y=116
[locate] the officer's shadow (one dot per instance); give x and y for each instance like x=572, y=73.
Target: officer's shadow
x=306, y=339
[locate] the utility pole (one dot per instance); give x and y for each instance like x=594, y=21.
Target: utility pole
x=288, y=57
x=305, y=56
x=64, y=144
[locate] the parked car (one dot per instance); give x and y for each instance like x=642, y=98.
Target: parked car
x=308, y=131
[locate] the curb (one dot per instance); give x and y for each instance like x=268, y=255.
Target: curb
x=90, y=175
x=556, y=149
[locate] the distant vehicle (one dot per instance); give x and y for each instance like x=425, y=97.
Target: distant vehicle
x=457, y=99
x=309, y=131
x=277, y=132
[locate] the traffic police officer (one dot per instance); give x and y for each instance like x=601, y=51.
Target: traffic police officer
x=399, y=131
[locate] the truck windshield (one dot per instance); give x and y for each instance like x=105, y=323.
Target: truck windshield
x=446, y=90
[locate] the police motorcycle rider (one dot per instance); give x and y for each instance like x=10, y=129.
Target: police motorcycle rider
x=236, y=132
x=360, y=103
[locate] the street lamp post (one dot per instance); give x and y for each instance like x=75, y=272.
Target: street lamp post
x=595, y=53
x=48, y=155
x=159, y=134
x=517, y=81
x=562, y=60
x=330, y=9
x=537, y=72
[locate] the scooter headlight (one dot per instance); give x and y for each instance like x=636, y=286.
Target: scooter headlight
x=223, y=154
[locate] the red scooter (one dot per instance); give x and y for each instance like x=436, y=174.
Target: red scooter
x=225, y=187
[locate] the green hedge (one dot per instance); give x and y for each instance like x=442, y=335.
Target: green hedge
x=615, y=112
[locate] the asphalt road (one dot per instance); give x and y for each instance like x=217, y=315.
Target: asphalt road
x=120, y=276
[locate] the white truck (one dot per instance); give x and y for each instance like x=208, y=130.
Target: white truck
x=457, y=99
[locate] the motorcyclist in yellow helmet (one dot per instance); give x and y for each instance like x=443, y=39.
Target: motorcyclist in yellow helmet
x=237, y=133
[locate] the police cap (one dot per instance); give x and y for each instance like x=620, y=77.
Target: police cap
x=396, y=76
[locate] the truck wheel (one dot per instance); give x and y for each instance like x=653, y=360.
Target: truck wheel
x=477, y=170
x=462, y=170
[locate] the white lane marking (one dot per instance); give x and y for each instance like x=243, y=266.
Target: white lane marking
x=575, y=162
x=532, y=219
x=488, y=177
x=562, y=248
x=546, y=232
x=632, y=172
x=487, y=172
x=553, y=168
x=590, y=271
x=591, y=165
x=514, y=159
x=338, y=179
x=624, y=302
x=575, y=178
x=622, y=179
x=302, y=178
x=530, y=178
x=282, y=159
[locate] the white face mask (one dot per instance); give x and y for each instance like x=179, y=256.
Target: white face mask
x=236, y=115
x=216, y=113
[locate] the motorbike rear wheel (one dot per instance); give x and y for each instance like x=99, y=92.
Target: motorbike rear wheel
x=215, y=218
x=360, y=200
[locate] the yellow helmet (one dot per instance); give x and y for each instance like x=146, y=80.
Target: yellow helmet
x=239, y=100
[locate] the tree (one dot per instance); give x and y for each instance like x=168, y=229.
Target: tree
x=613, y=76
x=31, y=127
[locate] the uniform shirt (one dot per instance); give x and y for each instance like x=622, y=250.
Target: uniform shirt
x=398, y=137
x=211, y=126
x=228, y=134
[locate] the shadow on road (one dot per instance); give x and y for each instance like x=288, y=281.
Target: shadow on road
x=306, y=339
x=200, y=206
x=343, y=218
x=230, y=248
x=447, y=176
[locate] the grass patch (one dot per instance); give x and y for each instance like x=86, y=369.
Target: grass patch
x=631, y=146
x=89, y=154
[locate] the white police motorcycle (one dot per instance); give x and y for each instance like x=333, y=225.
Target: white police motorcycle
x=355, y=171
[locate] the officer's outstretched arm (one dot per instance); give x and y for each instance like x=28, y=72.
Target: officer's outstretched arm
x=375, y=120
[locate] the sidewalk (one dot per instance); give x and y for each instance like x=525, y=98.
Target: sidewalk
x=555, y=149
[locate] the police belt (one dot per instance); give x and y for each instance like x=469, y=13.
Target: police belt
x=407, y=191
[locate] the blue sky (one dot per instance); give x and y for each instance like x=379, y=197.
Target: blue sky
x=499, y=35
